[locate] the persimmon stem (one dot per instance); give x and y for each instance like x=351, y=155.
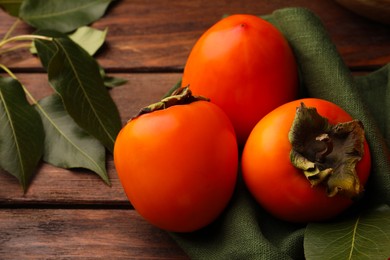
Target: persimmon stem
x=328, y=142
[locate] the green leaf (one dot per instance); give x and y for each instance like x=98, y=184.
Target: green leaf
x=109, y=81
x=11, y=6
x=75, y=76
x=66, y=144
x=173, y=89
x=62, y=15
x=21, y=132
x=46, y=50
x=112, y=82
x=366, y=236
x=89, y=39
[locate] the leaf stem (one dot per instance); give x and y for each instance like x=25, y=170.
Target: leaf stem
x=11, y=29
x=12, y=75
x=25, y=37
x=9, y=72
x=20, y=46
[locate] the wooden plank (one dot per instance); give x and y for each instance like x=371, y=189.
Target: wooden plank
x=159, y=35
x=82, y=234
x=53, y=185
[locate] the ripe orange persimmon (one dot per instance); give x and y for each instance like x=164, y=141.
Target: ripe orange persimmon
x=283, y=189
x=245, y=66
x=178, y=164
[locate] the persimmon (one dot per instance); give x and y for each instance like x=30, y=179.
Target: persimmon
x=177, y=162
x=307, y=160
x=245, y=66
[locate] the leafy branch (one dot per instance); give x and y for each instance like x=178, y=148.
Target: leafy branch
x=73, y=127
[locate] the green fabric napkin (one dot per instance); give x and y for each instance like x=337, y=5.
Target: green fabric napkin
x=245, y=230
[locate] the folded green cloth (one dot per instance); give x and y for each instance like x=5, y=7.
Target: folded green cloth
x=245, y=230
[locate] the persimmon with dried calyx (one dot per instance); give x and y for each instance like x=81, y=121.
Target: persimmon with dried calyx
x=245, y=66
x=177, y=162
x=307, y=160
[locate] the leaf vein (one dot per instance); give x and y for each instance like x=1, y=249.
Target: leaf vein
x=8, y=114
x=66, y=137
x=353, y=238
x=74, y=71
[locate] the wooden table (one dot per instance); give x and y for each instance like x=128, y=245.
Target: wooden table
x=73, y=214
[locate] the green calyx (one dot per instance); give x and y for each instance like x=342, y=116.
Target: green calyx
x=180, y=96
x=327, y=154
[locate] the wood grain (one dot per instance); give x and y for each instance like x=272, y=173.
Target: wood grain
x=68, y=214
x=158, y=35
x=82, y=234
x=53, y=185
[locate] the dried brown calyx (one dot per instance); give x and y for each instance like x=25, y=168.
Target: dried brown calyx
x=327, y=154
x=180, y=96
